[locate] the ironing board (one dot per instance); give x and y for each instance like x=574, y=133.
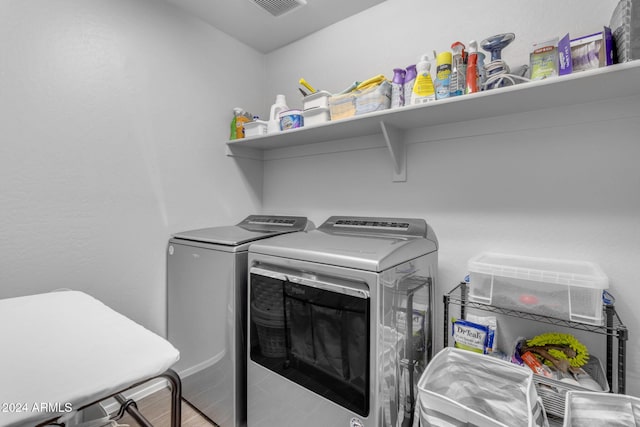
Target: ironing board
x=62, y=351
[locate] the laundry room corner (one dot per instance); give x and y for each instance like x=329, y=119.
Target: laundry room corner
x=110, y=112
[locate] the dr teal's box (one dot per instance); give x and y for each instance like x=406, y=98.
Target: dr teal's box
x=568, y=290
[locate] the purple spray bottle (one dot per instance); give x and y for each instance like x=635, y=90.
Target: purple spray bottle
x=397, y=88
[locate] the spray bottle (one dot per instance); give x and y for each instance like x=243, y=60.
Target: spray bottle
x=423, y=90
x=409, y=81
x=273, y=125
x=472, y=68
x=397, y=88
x=443, y=74
x=240, y=117
x=459, y=70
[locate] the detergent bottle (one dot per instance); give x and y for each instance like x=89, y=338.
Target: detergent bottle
x=423, y=90
x=472, y=68
x=459, y=70
x=443, y=74
x=273, y=125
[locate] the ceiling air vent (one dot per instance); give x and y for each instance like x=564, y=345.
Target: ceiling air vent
x=279, y=7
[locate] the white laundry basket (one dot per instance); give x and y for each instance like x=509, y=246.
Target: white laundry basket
x=462, y=388
x=592, y=409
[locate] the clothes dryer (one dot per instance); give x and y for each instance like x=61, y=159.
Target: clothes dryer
x=340, y=323
x=207, y=294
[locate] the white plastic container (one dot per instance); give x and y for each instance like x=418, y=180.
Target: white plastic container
x=315, y=100
x=255, y=128
x=460, y=387
x=569, y=290
x=316, y=116
x=291, y=119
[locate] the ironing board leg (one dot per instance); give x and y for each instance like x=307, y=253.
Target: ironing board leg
x=176, y=397
x=176, y=402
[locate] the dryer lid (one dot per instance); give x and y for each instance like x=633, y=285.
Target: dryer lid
x=364, y=246
x=253, y=227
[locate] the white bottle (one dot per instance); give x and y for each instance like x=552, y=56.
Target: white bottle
x=423, y=90
x=274, y=120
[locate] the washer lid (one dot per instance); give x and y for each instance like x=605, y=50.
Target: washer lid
x=365, y=249
x=253, y=227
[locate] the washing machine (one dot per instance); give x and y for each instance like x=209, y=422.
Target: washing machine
x=340, y=323
x=207, y=294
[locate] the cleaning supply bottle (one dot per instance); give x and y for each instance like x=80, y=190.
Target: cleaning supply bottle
x=273, y=125
x=472, y=68
x=458, y=71
x=397, y=88
x=240, y=117
x=233, y=134
x=409, y=80
x=443, y=74
x=423, y=90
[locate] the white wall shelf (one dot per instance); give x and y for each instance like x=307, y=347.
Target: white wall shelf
x=619, y=80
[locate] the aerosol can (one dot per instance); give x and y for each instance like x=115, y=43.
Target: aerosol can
x=443, y=74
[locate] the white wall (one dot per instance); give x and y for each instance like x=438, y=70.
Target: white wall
x=559, y=183
x=113, y=116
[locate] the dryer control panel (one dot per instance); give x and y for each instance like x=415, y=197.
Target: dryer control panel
x=273, y=223
x=407, y=227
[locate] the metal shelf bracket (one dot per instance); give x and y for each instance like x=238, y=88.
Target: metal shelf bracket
x=394, y=138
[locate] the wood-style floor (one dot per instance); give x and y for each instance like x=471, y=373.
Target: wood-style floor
x=156, y=408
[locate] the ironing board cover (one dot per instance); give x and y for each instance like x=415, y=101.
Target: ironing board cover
x=60, y=351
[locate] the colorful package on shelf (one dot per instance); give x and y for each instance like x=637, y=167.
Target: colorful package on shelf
x=471, y=336
x=365, y=98
x=565, y=65
x=544, y=59
x=490, y=322
x=592, y=51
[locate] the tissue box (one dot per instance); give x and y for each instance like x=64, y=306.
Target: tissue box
x=592, y=51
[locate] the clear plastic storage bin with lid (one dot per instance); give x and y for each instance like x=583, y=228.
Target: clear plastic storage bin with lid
x=564, y=289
